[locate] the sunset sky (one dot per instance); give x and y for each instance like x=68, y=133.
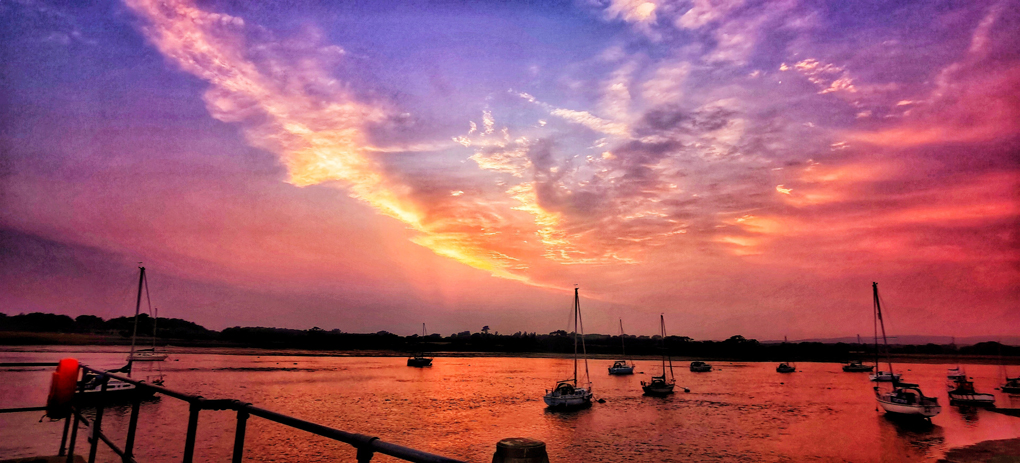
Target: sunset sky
x=742, y=166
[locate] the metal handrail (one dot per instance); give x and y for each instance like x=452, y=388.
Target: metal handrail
x=366, y=446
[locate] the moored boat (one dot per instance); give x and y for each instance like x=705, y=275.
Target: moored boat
x=885, y=377
x=857, y=366
x=908, y=400
x=904, y=399
x=700, y=367
x=567, y=394
x=964, y=394
x=661, y=385
x=419, y=359
x=90, y=386
x=786, y=368
x=1012, y=385
x=622, y=367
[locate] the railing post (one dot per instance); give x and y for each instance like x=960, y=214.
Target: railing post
x=242, y=422
x=74, y=429
x=189, y=442
x=365, y=452
x=94, y=430
x=74, y=437
x=63, y=437
x=129, y=445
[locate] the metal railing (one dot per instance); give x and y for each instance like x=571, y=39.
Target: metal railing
x=367, y=446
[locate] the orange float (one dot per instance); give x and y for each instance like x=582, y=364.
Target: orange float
x=65, y=381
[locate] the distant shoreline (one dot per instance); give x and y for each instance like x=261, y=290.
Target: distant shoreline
x=221, y=349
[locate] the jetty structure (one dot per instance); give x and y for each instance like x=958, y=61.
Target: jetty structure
x=66, y=389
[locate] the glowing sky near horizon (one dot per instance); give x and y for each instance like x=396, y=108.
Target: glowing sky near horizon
x=745, y=167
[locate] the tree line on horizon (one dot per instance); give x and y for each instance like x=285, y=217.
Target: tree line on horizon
x=178, y=331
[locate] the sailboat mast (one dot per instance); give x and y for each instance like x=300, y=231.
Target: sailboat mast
x=138, y=307
x=662, y=329
x=878, y=312
x=874, y=314
x=577, y=307
x=623, y=347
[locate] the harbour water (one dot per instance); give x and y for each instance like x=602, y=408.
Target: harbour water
x=462, y=406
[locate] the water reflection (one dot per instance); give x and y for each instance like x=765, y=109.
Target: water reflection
x=462, y=406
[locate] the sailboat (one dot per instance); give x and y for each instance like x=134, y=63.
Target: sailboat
x=91, y=384
x=881, y=376
x=622, y=367
x=857, y=366
x=786, y=367
x=904, y=399
x=961, y=392
x=419, y=359
x=150, y=354
x=1012, y=385
x=660, y=385
x=568, y=394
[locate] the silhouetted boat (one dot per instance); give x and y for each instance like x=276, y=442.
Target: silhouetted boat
x=1012, y=385
x=420, y=359
x=661, y=385
x=786, y=368
x=700, y=367
x=881, y=376
x=622, y=367
x=963, y=393
x=904, y=399
x=567, y=394
x=857, y=366
x=90, y=386
x=150, y=354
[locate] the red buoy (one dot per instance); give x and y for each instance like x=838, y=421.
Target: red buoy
x=65, y=381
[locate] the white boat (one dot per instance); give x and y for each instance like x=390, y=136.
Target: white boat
x=568, y=394
x=622, y=367
x=148, y=355
x=885, y=377
x=964, y=394
x=904, y=399
x=700, y=367
x=661, y=385
x=908, y=400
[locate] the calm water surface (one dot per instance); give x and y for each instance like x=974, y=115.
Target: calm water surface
x=461, y=407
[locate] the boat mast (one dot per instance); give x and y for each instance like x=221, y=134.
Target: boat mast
x=577, y=307
x=874, y=315
x=623, y=347
x=878, y=312
x=138, y=307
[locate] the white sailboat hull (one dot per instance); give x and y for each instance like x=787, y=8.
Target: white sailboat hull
x=580, y=398
x=926, y=411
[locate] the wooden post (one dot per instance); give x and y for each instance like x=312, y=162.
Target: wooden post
x=520, y=450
